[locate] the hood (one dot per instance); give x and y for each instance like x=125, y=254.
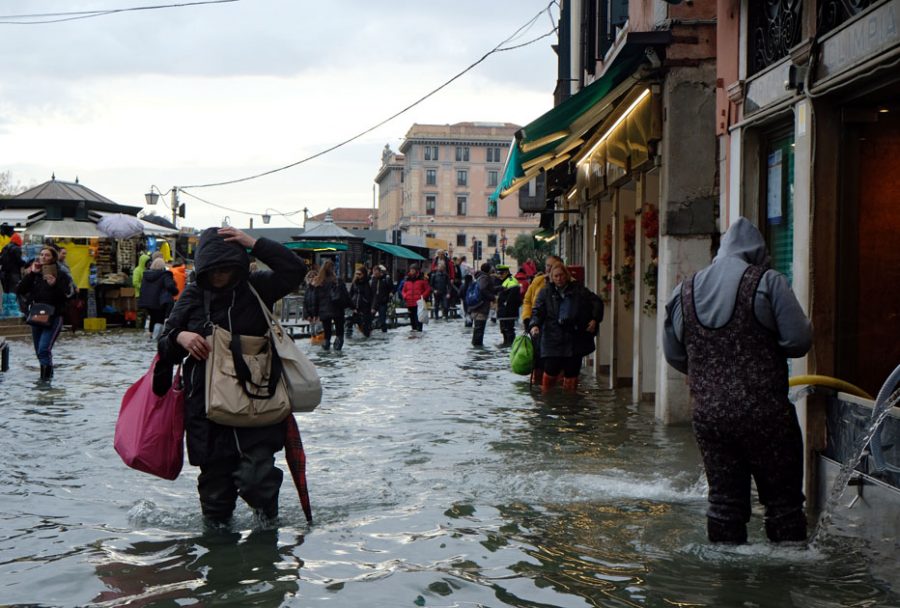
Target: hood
x=743, y=240
x=16, y=239
x=214, y=253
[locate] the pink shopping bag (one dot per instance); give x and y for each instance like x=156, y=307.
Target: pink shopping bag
x=150, y=429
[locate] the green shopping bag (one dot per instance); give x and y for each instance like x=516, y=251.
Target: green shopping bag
x=521, y=357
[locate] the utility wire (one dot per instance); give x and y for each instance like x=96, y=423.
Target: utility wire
x=75, y=15
x=497, y=49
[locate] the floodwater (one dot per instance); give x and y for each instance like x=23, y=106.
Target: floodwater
x=437, y=479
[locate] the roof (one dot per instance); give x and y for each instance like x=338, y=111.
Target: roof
x=55, y=191
x=325, y=231
x=282, y=235
x=346, y=214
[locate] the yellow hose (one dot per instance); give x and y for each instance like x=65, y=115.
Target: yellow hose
x=829, y=382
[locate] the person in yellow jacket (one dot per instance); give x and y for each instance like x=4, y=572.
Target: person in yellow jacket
x=537, y=284
x=137, y=277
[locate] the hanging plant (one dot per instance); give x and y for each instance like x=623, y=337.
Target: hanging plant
x=650, y=228
x=625, y=277
x=606, y=262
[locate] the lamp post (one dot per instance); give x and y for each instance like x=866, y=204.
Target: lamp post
x=503, y=245
x=152, y=196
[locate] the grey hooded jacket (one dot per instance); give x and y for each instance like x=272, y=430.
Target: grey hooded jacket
x=715, y=292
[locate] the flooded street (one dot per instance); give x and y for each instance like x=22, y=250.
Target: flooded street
x=437, y=478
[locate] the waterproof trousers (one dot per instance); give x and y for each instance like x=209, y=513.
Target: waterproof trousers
x=769, y=451
x=252, y=475
x=479, y=321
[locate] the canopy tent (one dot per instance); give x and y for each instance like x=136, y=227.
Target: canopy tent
x=66, y=228
x=550, y=139
x=21, y=218
x=316, y=246
x=395, y=250
x=150, y=228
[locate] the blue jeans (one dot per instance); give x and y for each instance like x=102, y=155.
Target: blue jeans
x=44, y=337
x=382, y=316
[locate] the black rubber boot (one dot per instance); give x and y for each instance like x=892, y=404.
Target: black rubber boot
x=478, y=333
x=727, y=532
x=338, y=343
x=45, y=373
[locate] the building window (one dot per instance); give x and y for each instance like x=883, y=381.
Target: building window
x=431, y=152
x=492, y=208
x=774, y=28
x=431, y=177
x=430, y=235
x=462, y=154
x=461, y=204
x=493, y=178
x=462, y=178
x=493, y=155
x=430, y=203
x=460, y=240
x=492, y=240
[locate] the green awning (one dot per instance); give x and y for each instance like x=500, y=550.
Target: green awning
x=546, y=141
x=316, y=246
x=395, y=250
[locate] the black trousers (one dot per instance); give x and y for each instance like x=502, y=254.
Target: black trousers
x=252, y=475
x=414, y=322
x=766, y=447
x=333, y=326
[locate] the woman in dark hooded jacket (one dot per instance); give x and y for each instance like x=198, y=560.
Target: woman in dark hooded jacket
x=233, y=461
x=565, y=319
x=158, y=291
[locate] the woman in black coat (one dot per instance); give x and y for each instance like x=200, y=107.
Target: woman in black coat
x=361, y=302
x=329, y=302
x=565, y=319
x=45, y=284
x=158, y=291
x=233, y=461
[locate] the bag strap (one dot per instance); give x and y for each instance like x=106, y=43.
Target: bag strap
x=243, y=372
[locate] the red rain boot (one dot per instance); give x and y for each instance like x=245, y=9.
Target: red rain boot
x=570, y=385
x=537, y=375
x=548, y=381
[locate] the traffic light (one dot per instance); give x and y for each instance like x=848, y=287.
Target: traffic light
x=477, y=253
x=181, y=210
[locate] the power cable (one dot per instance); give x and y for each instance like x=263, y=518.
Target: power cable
x=76, y=15
x=498, y=48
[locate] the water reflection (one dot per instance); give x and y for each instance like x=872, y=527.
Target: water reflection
x=253, y=568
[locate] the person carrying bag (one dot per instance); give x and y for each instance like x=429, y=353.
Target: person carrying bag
x=234, y=460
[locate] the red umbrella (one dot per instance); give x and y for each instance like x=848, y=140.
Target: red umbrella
x=296, y=459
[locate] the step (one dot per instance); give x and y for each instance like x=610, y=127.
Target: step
x=11, y=322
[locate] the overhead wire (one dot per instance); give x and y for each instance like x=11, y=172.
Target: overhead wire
x=76, y=15
x=497, y=49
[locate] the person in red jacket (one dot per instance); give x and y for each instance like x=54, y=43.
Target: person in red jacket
x=415, y=287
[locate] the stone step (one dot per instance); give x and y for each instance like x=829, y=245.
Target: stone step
x=11, y=321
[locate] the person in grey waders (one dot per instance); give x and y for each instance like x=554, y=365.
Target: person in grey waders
x=731, y=327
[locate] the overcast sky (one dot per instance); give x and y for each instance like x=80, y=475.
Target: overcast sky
x=202, y=94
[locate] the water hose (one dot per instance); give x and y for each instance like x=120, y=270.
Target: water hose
x=829, y=382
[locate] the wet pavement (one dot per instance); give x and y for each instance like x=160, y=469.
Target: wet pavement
x=437, y=477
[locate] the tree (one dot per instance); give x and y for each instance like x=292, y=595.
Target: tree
x=526, y=246
x=8, y=188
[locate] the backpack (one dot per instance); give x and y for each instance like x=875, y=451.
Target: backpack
x=474, y=299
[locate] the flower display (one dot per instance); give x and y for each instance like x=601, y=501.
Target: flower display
x=625, y=277
x=650, y=229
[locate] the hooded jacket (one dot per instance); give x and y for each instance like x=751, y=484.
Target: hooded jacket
x=415, y=287
x=137, y=277
x=566, y=338
x=158, y=289
x=233, y=307
x=715, y=291
x=382, y=290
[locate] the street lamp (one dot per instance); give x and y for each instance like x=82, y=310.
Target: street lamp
x=152, y=196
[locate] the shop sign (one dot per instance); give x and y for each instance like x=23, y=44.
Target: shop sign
x=860, y=40
x=767, y=87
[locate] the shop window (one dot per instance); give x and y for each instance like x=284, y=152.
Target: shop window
x=431, y=177
x=462, y=205
x=779, y=204
x=430, y=204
